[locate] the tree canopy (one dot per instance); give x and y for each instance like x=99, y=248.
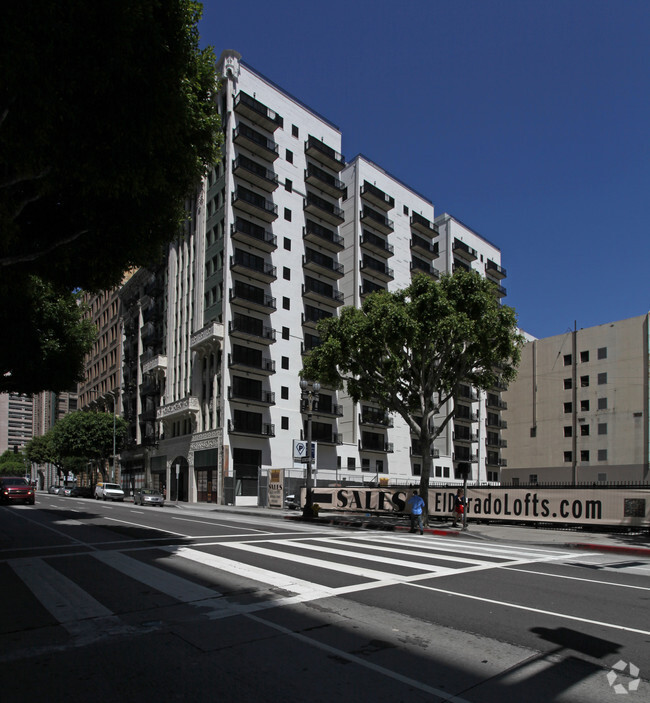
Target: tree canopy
x=409, y=351
x=13, y=464
x=88, y=435
x=107, y=123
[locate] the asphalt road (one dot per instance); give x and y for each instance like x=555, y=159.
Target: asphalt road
x=112, y=602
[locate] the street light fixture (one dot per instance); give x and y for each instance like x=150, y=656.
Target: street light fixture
x=309, y=395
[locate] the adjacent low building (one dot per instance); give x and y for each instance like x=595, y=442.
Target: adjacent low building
x=578, y=411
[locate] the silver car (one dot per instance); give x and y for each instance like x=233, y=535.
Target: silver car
x=147, y=496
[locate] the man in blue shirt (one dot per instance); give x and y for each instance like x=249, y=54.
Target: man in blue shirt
x=416, y=506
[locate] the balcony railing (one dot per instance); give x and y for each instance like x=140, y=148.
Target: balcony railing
x=377, y=220
x=422, y=225
x=322, y=264
x=377, y=244
x=254, y=141
x=260, y=271
x=264, y=397
x=255, y=173
x=418, y=266
x=377, y=269
x=332, y=297
x=255, y=204
x=325, y=181
x=376, y=196
x=263, y=366
x=319, y=207
x=257, y=112
x=246, y=330
x=244, y=231
x=425, y=246
x=464, y=250
x=313, y=232
x=325, y=154
x=265, y=429
x=493, y=269
x=252, y=300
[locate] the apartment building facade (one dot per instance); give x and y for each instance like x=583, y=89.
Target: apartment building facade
x=579, y=410
x=283, y=232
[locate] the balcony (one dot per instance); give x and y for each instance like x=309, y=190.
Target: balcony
x=324, y=181
x=325, y=154
x=375, y=417
x=257, y=174
x=260, y=271
x=329, y=409
x=315, y=261
x=425, y=247
x=493, y=270
x=251, y=329
x=255, y=235
x=500, y=291
x=493, y=440
x=263, y=429
x=376, y=269
x=465, y=417
x=377, y=197
x=376, y=244
x=207, y=339
x=419, y=266
x=154, y=364
x=494, y=421
x=416, y=450
x=319, y=207
x=326, y=238
x=423, y=226
x=465, y=437
x=254, y=204
x=461, y=457
x=367, y=287
x=496, y=402
x=381, y=447
x=187, y=407
x=255, y=142
x=257, y=112
x=264, y=365
x=323, y=293
x=263, y=397
x=375, y=219
x=254, y=299
x=464, y=251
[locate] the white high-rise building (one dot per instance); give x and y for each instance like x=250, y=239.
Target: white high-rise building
x=282, y=233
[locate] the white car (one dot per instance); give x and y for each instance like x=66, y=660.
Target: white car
x=109, y=491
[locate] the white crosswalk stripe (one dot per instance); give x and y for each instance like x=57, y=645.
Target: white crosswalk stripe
x=355, y=562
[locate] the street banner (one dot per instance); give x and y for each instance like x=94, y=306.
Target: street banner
x=592, y=506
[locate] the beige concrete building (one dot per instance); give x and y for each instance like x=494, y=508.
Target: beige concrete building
x=578, y=410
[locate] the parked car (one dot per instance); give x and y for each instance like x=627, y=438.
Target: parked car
x=53, y=489
x=66, y=490
x=292, y=502
x=109, y=491
x=14, y=489
x=81, y=492
x=147, y=496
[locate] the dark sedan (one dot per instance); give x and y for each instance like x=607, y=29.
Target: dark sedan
x=16, y=490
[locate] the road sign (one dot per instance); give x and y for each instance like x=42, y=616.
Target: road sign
x=300, y=451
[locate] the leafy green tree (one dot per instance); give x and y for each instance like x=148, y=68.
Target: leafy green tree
x=107, y=122
x=41, y=450
x=410, y=351
x=13, y=464
x=88, y=436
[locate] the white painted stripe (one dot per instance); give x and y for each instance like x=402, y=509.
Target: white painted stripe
x=66, y=601
x=219, y=524
x=175, y=586
x=265, y=576
x=576, y=578
x=147, y=527
x=505, y=604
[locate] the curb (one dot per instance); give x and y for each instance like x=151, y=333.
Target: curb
x=638, y=551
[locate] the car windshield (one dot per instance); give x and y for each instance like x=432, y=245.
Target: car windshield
x=148, y=492
x=14, y=482
x=113, y=486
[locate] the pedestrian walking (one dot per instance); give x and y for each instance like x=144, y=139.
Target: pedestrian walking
x=459, y=507
x=416, y=506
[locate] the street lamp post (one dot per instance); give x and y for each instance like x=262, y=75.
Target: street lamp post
x=309, y=395
x=113, y=394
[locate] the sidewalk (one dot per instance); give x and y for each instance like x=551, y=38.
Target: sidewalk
x=630, y=544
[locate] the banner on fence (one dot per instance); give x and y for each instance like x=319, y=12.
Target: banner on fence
x=276, y=488
x=594, y=506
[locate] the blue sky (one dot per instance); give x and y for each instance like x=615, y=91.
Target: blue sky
x=529, y=121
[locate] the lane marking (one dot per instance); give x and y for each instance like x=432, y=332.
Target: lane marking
x=147, y=527
x=219, y=524
x=576, y=578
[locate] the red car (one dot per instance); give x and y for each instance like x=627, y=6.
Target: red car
x=16, y=490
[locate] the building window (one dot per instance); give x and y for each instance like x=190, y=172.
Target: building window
x=602, y=403
x=289, y=156
x=417, y=469
x=445, y=472
x=284, y=423
x=584, y=357
x=533, y=431
x=286, y=303
x=287, y=214
x=406, y=210
x=568, y=384
x=286, y=273
x=379, y=465
x=438, y=471
x=584, y=455
x=295, y=132
x=284, y=392
x=584, y=430
x=602, y=352
x=568, y=456
x=584, y=381
x=568, y=431
x=602, y=455
x=567, y=359
x=532, y=479
x=285, y=333
x=285, y=362
x=568, y=408
x=602, y=478
x=287, y=243
x=365, y=464
x=602, y=379
x=288, y=185
x=602, y=428
x=584, y=406
x=352, y=464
